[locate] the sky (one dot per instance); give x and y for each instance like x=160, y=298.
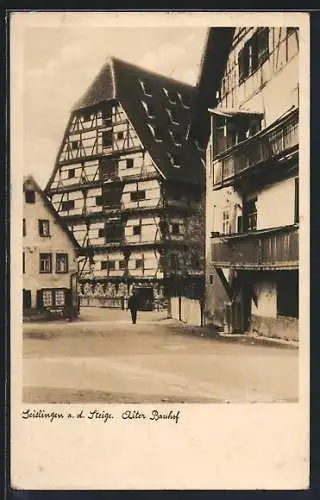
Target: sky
x=60, y=62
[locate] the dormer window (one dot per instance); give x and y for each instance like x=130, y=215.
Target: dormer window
x=185, y=100
x=173, y=116
x=172, y=96
x=176, y=137
x=175, y=160
x=155, y=132
x=149, y=109
x=146, y=88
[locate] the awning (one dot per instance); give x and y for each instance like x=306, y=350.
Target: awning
x=233, y=113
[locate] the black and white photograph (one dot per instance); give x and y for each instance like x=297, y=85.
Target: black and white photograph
x=162, y=193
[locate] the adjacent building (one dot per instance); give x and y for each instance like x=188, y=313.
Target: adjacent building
x=248, y=116
x=130, y=189
x=49, y=258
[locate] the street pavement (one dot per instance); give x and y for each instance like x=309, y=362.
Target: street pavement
x=104, y=358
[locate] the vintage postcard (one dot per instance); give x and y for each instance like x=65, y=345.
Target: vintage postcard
x=159, y=250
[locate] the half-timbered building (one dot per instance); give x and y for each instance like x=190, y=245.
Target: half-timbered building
x=130, y=187
x=248, y=107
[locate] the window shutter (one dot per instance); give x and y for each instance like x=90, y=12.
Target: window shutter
x=39, y=299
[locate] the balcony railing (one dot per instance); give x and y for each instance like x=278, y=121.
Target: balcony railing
x=271, y=143
x=276, y=248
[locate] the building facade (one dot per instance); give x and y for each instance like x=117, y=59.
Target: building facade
x=49, y=258
x=130, y=188
x=252, y=196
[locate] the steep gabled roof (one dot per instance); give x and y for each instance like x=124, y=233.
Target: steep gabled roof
x=29, y=181
x=132, y=86
x=217, y=48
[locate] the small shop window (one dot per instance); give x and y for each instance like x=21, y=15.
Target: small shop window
x=47, y=298
x=59, y=297
x=62, y=263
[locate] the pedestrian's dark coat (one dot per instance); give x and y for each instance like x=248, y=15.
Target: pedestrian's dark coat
x=133, y=303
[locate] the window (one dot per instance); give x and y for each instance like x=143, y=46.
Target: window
x=120, y=135
x=211, y=279
x=137, y=195
x=113, y=232
x=108, y=264
x=243, y=63
x=173, y=116
x=176, y=137
x=172, y=96
x=149, y=109
x=108, y=168
x=45, y=263
x=146, y=88
x=71, y=173
x=175, y=160
x=61, y=263
x=44, y=227
x=250, y=215
x=175, y=228
x=86, y=116
x=107, y=138
x=60, y=297
x=98, y=201
x=254, y=53
x=55, y=297
x=30, y=196
x=185, y=100
x=101, y=233
x=67, y=205
x=24, y=227
x=129, y=163
x=226, y=226
x=155, y=132
x=296, y=201
x=47, y=298
x=139, y=263
x=136, y=230
x=74, y=144
x=23, y=262
x=122, y=264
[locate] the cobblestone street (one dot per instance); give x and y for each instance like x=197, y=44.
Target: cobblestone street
x=102, y=357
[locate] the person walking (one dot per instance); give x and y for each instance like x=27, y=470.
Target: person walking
x=133, y=306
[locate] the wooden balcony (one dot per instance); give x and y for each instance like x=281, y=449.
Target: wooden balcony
x=273, y=143
x=269, y=249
